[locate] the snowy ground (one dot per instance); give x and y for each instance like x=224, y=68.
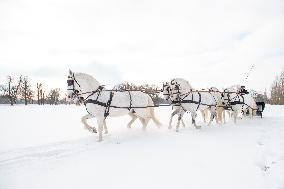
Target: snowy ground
x=47, y=147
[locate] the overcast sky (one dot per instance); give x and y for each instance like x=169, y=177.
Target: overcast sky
x=209, y=43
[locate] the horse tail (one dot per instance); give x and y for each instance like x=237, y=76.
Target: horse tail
x=152, y=112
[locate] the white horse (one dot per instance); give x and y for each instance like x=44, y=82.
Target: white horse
x=220, y=111
x=238, y=102
x=184, y=89
x=181, y=88
x=176, y=108
x=191, y=101
x=102, y=103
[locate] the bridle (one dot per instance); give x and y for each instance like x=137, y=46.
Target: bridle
x=71, y=82
x=78, y=93
x=177, y=89
x=223, y=96
x=229, y=100
x=166, y=88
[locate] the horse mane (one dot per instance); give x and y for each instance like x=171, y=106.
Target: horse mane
x=214, y=89
x=231, y=89
x=183, y=81
x=88, y=79
x=235, y=87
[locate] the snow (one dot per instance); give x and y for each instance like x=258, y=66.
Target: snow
x=47, y=147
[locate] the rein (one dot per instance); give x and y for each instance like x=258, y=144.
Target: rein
x=178, y=102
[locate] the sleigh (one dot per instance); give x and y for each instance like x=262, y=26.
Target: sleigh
x=260, y=108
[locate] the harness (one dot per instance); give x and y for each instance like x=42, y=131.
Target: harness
x=70, y=82
x=108, y=104
x=179, y=101
x=216, y=101
x=233, y=101
x=199, y=101
x=130, y=102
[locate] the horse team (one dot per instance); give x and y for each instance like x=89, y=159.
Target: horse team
x=101, y=103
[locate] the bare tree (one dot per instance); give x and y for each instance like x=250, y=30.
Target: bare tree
x=277, y=90
x=12, y=90
x=39, y=88
x=151, y=90
x=42, y=97
x=26, y=91
x=40, y=94
x=53, y=96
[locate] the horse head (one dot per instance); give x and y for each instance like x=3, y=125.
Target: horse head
x=166, y=91
x=80, y=85
x=73, y=87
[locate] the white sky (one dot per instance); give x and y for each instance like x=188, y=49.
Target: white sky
x=209, y=43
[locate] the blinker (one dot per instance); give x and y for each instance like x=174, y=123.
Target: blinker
x=70, y=82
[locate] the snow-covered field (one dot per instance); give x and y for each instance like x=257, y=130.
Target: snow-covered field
x=47, y=147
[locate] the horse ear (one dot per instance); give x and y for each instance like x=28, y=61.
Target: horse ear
x=70, y=72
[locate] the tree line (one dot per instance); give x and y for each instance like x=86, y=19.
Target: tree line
x=152, y=90
x=18, y=90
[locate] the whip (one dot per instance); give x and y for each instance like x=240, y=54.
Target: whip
x=248, y=74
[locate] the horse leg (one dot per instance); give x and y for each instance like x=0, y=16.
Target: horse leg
x=105, y=127
x=220, y=115
x=143, y=121
x=229, y=113
x=213, y=114
x=134, y=117
x=147, y=121
x=100, y=122
x=193, y=116
x=203, y=115
x=171, y=119
x=182, y=122
x=180, y=115
x=251, y=112
x=224, y=116
x=235, y=114
x=87, y=126
x=192, y=119
x=153, y=117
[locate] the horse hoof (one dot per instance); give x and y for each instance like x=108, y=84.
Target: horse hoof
x=106, y=132
x=198, y=127
x=169, y=127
